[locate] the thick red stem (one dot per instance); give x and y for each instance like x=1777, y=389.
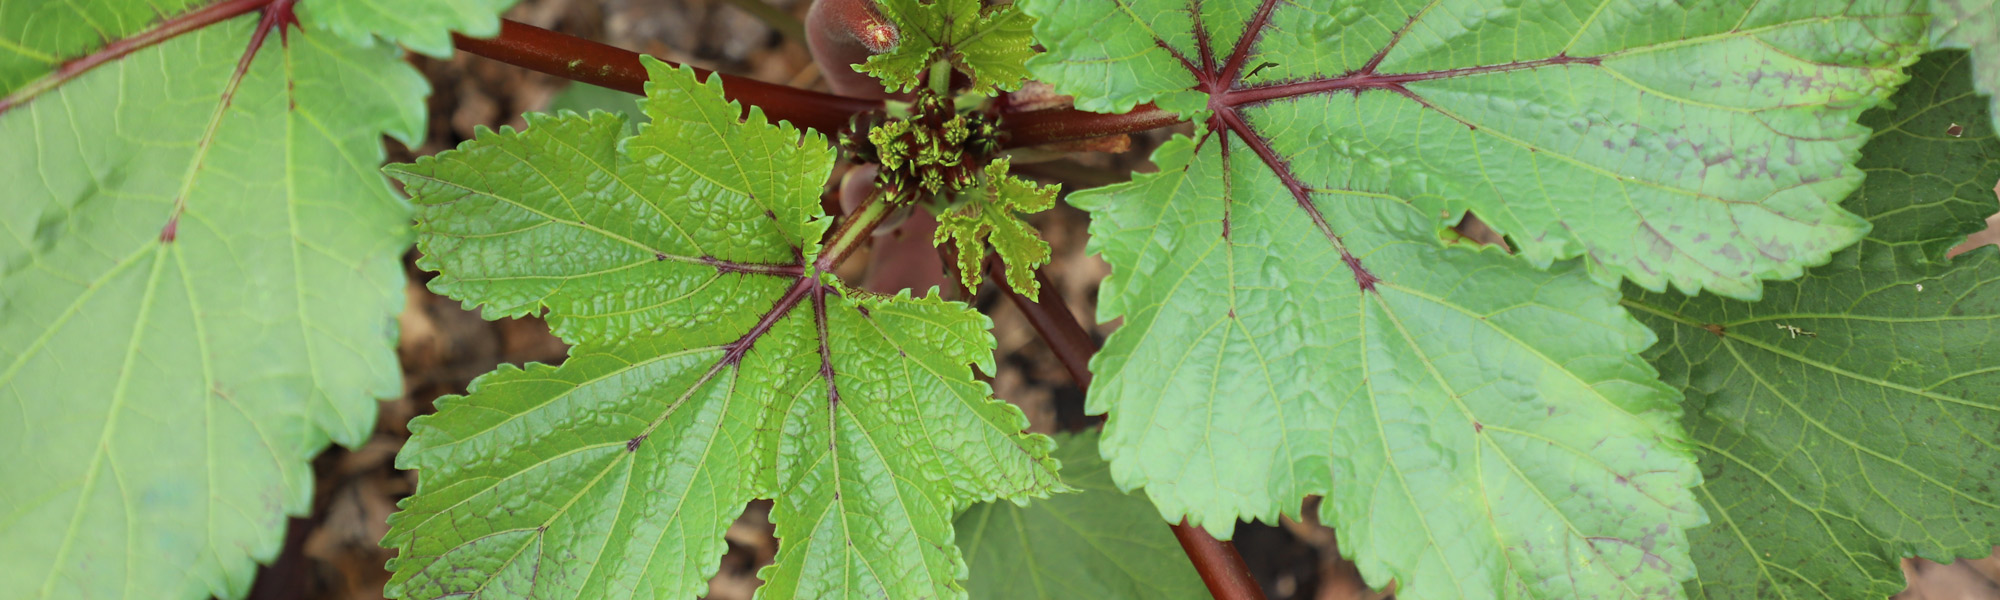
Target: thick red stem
x=602, y=65
x=1047, y=126
x=1050, y=316
x=578, y=59
x=1220, y=565
x=1218, y=562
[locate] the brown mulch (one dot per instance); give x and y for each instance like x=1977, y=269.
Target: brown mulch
x=333, y=553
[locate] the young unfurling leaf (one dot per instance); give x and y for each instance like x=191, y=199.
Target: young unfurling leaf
x=991, y=213
x=991, y=44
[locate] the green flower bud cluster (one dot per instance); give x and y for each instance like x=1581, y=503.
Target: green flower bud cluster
x=934, y=153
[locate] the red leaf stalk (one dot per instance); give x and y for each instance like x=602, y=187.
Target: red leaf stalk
x=578, y=59
x=608, y=66
x=1051, y=125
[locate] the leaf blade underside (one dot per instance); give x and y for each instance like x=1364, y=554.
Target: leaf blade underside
x=711, y=366
x=198, y=287
x=1848, y=420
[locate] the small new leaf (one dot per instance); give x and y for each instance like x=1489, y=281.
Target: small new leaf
x=992, y=45
x=990, y=213
x=712, y=365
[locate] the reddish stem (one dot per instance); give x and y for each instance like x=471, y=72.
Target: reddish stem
x=1052, y=125
x=1050, y=316
x=578, y=59
x=1218, y=562
x=582, y=60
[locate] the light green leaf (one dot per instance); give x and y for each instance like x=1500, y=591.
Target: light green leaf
x=198, y=286
x=988, y=213
x=1849, y=419
x=989, y=44
x=1479, y=428
x=1292, y=325
x=1699, y=145
x=1099, y=543
x=712, y=365
x=36, y=36
x=423, y=26
x=581, y=98
x=1973, y=25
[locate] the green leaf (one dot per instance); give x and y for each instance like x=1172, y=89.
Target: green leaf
x=712, y=365
x=425, y=27
x=199, y=278
x=1973, y=25
x=1477, y=426
x=1099, y=543
x=421, y=26
x=37, y=36
x=1292, y=324
x=1848, y=420
x=1703, y=146
x=581, y=98
x=991, y=45
x=988, y=214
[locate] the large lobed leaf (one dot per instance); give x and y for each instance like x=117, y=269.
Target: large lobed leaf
x=199, y=278
x=1850, y=418
x=712, y=364
x=1293, y=324
x=1702, y=145
x=1097, y=543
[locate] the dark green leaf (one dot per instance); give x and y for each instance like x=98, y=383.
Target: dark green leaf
x=1097, y=543
x=1852, y=418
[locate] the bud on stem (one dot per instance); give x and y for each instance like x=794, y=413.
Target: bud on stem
x=844, y=33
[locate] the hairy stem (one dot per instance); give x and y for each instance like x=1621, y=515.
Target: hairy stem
x=1047, y=126
x=1220, y=565
x=578, y=59
x=852, y=230
x=585, y=61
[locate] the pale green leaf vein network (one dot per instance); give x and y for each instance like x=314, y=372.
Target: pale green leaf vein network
x=1698, y=148
x=200, y=387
